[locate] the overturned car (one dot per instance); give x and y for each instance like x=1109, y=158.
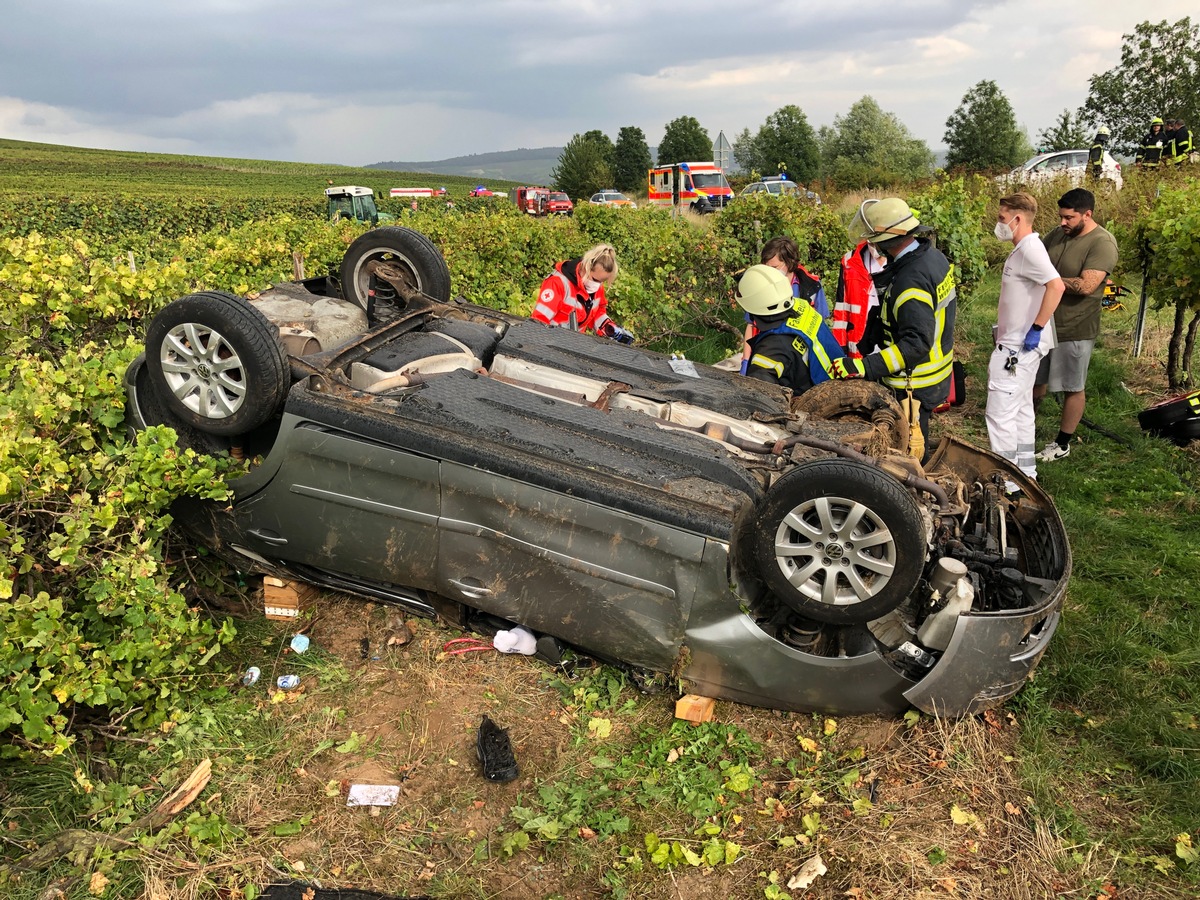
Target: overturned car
x=668, y=517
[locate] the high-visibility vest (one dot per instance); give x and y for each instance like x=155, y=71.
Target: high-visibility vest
x=813, y=338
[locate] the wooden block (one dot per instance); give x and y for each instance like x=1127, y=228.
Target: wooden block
x=694, y=708
x=284, y=601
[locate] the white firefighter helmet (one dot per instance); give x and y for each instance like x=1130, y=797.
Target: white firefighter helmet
x=763, y=291
x=882, y=220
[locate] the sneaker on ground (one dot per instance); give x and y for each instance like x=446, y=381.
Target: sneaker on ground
x=1054, y=451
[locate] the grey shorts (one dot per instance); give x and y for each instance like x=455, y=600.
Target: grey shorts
x=1065, y=368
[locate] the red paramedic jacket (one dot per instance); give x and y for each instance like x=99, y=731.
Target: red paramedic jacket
x=564, y=303
x=850, y=306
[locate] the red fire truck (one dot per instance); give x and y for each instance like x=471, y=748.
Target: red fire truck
x=541, y=201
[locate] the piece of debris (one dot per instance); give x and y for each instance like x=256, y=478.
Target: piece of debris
x=284, y=601
x=288, y=682
x=809, y=872
x=694, y=708
x=516, y=640
x=251, y=676
x=373, y=795
x=299, y=643
x=495, y=752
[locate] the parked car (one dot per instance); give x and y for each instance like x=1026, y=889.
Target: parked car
x=653, y=513
x=611, y=198
x=480, y=190
x=779, y=187
x=1070, y=164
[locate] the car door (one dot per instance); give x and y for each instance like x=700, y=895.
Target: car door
x=349, y=505
x=612, y=582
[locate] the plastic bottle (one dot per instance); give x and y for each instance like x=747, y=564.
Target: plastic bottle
x=954, y=588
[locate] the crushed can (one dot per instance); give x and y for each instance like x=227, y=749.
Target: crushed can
x=288, y=682
x=250, y=676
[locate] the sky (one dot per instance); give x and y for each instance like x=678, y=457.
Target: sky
x=414, y=80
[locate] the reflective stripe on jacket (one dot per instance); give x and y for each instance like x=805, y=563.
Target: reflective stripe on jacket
x=852, y=301
x=917, y=300
x=563, y=303
x=812, y=340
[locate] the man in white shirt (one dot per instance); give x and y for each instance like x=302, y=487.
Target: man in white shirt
x=1030, y=290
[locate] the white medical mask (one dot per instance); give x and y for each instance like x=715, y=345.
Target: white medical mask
x=1003, y=231
x=591, y=285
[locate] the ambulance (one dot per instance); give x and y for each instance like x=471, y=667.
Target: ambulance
x=700, y=186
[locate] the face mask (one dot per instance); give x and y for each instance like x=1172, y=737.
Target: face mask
x=591, y=286
x=1003, y=231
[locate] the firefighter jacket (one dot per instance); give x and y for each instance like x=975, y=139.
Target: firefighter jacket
x=563, y=302
x=1150, y=152
x=794, y=349
x=852, y=301
x=916, y=324
x=1096, y=159
x=1180, y=147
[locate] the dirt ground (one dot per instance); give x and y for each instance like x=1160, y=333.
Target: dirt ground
x=948, y=816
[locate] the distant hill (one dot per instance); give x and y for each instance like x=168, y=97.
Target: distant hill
x=525, y=166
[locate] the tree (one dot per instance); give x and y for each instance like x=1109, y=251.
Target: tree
x=982, y=133
x=631, y=159
x=1159, y=75
x=684, y=141
x=584, y=166
x=869, y=148
x=787, y=138
x=744, y=152
x=1067, y=133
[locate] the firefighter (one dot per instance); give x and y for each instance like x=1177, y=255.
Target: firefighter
x=1149, y=154
x=1096, y=153
x=793, y=346
x=917, y=306
x=573, y=295
x=1178, y=148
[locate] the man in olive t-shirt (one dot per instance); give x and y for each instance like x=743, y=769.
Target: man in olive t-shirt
x=1084, y=254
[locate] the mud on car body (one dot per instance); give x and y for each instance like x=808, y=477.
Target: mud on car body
x=774, y=550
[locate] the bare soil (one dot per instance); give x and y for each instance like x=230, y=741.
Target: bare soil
x=948, y=816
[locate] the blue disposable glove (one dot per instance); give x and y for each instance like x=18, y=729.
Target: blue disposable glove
x=847, y=367
x=1033, y=338
x=620, y=335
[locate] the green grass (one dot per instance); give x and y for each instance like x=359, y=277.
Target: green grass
x=47, y=169
x=1115, y=708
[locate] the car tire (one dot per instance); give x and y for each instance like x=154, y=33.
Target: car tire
x=856, y=399
x=217, y=362
x=417, y=257
x=840, y=542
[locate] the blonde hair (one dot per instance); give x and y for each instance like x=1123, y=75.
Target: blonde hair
x=603, y=256
x=1020, y=202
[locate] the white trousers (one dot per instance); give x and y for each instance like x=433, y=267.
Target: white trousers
x=1010, y=419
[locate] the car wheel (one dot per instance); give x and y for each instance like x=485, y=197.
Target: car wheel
x=217, y=362
x=856, y=399
x=418, y=259
x=840, y=541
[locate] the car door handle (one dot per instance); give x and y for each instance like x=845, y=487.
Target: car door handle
x=267, y=536
x=472, y=591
